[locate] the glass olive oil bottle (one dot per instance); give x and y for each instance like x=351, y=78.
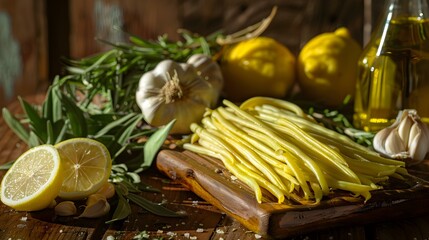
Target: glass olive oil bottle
x=393, y=71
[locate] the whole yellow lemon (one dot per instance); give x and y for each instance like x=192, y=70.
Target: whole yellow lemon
x=259, y=66
x=327, y=67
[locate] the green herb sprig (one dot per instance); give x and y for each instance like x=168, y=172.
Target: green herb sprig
x=337, y=121
x=115, y=74
x=96, y=99
x=59, y=118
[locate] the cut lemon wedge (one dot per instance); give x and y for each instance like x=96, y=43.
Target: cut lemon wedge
x=34, y=180
x=86, y=163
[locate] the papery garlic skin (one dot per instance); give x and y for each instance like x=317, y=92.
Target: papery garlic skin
x=180, y=91
x=407, y=138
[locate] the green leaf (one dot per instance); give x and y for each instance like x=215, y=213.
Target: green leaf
x=57, y=111
x=155, y=142
x=15, y=125
x=152, y=207
x=122, y=211
x=33, y=140
x=60, y=129
x=117, y=152
x=37, y=123
x=146, y=188
x=131, y=126
x=50, y=133
x=6, y=166
x=76, y=116
x=47, y=106
x=113, y=125
x=130, y=186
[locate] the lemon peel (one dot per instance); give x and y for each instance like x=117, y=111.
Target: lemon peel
x=34, y=180
x=260, y=66
x=327, y=67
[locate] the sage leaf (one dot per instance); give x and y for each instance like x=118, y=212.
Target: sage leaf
x=122, y=211
x=51, y=107
x=155, y=142
x=33, y=140
x=76, y=117
x=37, y=123
x=15, y=125
x=152, y=207
x=113, y=125
x=147, y=188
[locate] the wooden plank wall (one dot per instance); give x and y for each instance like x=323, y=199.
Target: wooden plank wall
x=295, y=23
x=36, y=34
x=23, y=48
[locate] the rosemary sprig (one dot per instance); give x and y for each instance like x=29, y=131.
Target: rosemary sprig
x=337, y=121
x=115, y=73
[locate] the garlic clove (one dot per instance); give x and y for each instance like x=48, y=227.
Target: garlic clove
x=96, y=206
x=380, y=139
x=66, y=208
x=107, y=190
x=53, y=204
x=404, y=128
x=394, y=143
x=418, y=144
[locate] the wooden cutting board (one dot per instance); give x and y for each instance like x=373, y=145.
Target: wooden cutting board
x=208, y=178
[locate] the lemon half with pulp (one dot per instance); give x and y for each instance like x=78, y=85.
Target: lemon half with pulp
x=34, y=180
x=87, y=165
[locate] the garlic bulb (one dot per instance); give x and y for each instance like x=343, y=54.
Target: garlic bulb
x=407, y=138
x=180, y=91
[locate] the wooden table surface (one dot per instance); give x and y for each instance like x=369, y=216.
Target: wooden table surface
x=203, y=221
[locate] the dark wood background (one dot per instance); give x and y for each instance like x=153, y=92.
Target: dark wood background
x=36, y=34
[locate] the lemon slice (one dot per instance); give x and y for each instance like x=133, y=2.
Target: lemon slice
x=34, y=180
x=87, y=164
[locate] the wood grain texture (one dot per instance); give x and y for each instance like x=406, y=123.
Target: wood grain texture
x=26, y=49
x=208, y=178
x=101, y=19
x=204, y=220
x=295, y=23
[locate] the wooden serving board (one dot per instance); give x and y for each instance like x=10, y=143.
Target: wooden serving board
x=208, y=178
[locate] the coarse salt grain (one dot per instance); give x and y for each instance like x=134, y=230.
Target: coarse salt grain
x=199, y=230
x=257, y=236
x=220, y=231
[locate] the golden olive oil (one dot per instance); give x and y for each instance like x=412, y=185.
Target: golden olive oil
x=393, y=74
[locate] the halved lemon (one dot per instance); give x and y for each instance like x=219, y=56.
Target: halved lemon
x=87, y=164
x=34, y=180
